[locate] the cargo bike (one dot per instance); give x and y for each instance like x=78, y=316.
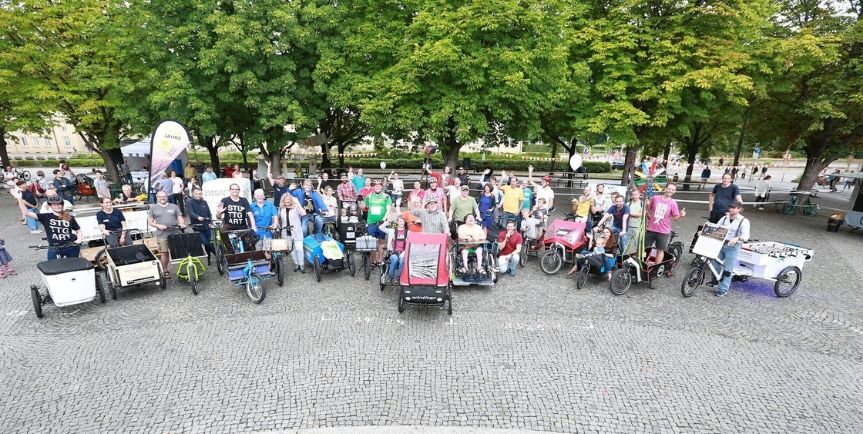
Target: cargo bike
x=562, y=241
x=424, y=279
x=327, y=255
x=67, y=282
x=462, y=274
x=131, y=266
x=186, y=252
x=641, y=266
x=781, y=263
x=245, y=267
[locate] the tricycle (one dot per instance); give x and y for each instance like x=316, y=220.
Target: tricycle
x=244, y=266
x=67, y=281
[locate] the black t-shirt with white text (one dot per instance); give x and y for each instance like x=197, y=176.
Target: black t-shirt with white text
x=59, y=231
x=235, y=213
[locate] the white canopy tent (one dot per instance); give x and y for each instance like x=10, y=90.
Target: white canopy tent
x=137, y=155
x=854, y=215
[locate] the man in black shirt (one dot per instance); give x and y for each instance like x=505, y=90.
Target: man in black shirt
x=61, y=230
x=721, y=197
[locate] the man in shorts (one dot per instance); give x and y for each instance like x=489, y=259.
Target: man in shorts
x=377, y=203
x=660, y=212
x=164, y=216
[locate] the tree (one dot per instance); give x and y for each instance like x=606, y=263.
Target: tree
x=817, y=91
x=73, y=52
x=646, y=56
x=449, y=71
x=21, y=108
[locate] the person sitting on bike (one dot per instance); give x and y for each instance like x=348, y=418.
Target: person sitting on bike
x=602, y=241
x=531, y=226
x=462, y=205
x=432, y=219
x=509, y=242
x=112, y=223
x=332, y=204
x=347, y=194
x=65, y=188
x=396, y=237
x=200, y=217
x=61, y=229
x=738, y=233
x=619, y=215
x=413, y=222
x=377, y=203
x=266, y=220
x=471, y=236
x=313, y=204
x=126, y=195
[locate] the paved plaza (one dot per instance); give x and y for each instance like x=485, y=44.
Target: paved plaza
x=531, y=353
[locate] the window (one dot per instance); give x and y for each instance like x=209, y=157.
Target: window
x=68, y=141
x=23, y=141
x=47, y=141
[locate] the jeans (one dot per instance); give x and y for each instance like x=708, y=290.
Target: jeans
x=507, y=216
x=32, y=223
x=396, y=197
x=728, y=256
x=508, y=263
x=395, y=269
x=319, y=224
x=205, y=235
x=67, y=252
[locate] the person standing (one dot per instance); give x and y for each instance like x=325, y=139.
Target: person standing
x=61, y=229
x=636, y=208
x=722, y=196
x=164, y=217
x=417, y=193
x=834, y=178
x=28, y=202
x=398, y=187
x=738, y=233
x=762, y=189
x=582, y=206
x=432, y=219
x=438, y=193
x=266, y=220
x=513, y=199
x=464, y=177
x=510, y=242
x=463, y=205
x=235, y=212
x=705, y=176
x=177, y=189
x=291, y=220
x=660, y=212
x=358, y=180
x=543, y=190
x=619, y=214
x=754, y=172
x=166, y=184
x=200, y=217
x=377, y=203
x=189, y=172
x=527, y=191
x=208, y=175
x=112, y=223
x=347, y=194
x=101, y=185
x=486, y=207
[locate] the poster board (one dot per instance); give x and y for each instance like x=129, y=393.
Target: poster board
x=710, y=241
x=216, y=190
x=135, y=220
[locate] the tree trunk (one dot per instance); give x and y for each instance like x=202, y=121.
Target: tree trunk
x=816, y=160
x=4, y=152
x=553, y=157
x=326, y=163
x=341, y=149
x=209, y=143
x=691, y=152
x=275, y=163
x=629, y=164
x=667, y=152
x=740, y=140
x=451, y=156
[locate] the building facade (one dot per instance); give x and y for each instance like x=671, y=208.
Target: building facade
x=60, y=141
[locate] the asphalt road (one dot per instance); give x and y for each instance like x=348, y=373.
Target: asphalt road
x=531, y=353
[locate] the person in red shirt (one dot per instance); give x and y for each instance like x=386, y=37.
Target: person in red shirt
x=509, y=242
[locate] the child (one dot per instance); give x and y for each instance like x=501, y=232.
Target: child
x=603, y=243
x=5, y=261
x=530, y=225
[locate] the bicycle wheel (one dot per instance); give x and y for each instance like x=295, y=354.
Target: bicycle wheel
x=525, y=248
x=352, y=267
x=693, y=279
x=220, y=258
x=280, y=271
x=551, y=262
x=318, y=270
x=36, y=298
x=367, y=266
x=111, y=287
x=621, y=280
x=192, y=273
x=581, y=276
x=100, y=291
x=787, y=281
x=255, y=289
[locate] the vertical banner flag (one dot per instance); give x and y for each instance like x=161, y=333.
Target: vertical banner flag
x=169, y=142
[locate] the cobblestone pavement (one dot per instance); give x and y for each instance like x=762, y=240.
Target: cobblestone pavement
x=532, y=353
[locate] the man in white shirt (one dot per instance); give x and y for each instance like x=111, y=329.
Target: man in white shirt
x=738, y=233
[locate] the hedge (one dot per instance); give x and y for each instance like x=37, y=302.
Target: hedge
x=395, y=162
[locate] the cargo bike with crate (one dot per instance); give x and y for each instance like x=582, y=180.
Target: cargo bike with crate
x=641, y=266
x=781, y=263
x=245, y=267
x=67, y=282
x=425, y=279
x=131, y=266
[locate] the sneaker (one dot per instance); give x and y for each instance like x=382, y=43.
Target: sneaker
x=303, y=270
x=720, y=293
x=35, y=231
x=712, y=283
